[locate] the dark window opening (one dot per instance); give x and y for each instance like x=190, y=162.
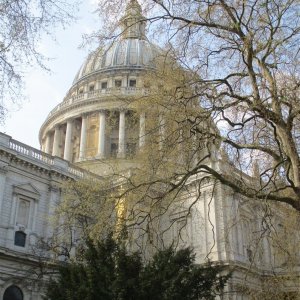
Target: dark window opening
x=114, y=149
x=13, y=293
x=103, y=85
x=118, y=83
x=132, y=83
x=20, y=238
x=81, y=92
x=91, y=88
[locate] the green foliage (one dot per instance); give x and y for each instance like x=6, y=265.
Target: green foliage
x=107, y=272
x=174, y=275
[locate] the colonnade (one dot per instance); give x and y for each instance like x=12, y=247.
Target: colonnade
x=52, y=141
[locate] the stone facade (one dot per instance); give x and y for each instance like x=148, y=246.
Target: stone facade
x=217, y=223
x=29, y=191
x=92, y=130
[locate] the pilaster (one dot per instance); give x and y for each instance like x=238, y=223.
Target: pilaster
x=3, y=171
x=54, y=196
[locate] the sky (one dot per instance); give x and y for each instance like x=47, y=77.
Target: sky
x=44, y=90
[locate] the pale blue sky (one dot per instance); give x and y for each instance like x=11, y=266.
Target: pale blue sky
x=45, y=90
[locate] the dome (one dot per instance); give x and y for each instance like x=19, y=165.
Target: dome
x=131, y=50
x=124, y=53
x=89, y=125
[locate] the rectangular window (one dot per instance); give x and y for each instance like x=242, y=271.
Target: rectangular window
x=20, y=238
x=118, y=83
x=132, y=83
x=104, y=85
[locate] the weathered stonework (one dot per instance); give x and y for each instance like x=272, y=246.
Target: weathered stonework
x=217, y=223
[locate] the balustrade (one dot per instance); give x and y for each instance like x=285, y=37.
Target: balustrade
x=39, y=156
x=102, y=93
x=30, y=152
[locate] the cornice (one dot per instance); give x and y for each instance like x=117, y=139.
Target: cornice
x=35, y=166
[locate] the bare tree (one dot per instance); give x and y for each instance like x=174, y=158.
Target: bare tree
x=243, y=57
x=221, y=110
x=22, y=23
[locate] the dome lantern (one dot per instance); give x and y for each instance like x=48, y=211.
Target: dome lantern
x=133, y=23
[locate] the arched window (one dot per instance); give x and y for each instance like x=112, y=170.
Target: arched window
x=13, y=293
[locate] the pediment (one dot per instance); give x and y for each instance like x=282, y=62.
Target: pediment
x=27, y=189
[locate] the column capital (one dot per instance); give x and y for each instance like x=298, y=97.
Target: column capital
x=54, y=187
x=84, y=115
x=123, y=110
x=3, y=167
x=70, y=120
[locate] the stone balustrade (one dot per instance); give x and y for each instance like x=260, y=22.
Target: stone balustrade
x=30, y=152
x=52, y=162
x=100, y=94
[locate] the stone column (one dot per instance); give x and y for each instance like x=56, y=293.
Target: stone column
x=56, y=140
x=121, y=150
x=101, y=139
x=142, y=133
x=83, y=137
x=35, y=206
x=162, y=130
x=47, y=144
x=68, y=141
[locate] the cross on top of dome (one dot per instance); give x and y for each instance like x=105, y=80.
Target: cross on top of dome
x=133, y=23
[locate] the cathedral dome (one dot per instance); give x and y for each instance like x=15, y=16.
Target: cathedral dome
x=131, y=50
x=125, y=53
x=97, y=119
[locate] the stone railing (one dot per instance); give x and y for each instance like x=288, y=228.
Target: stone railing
x=100, y=94
x=76, y=171
x=30, y=152
x=37, y=156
